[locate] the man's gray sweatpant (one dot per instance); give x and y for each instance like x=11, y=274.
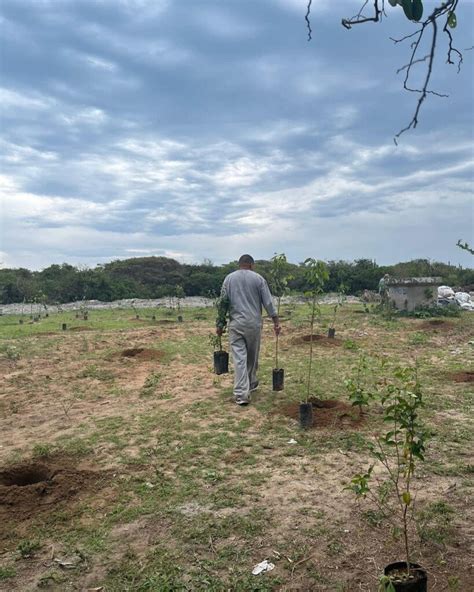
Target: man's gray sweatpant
x=245, y=347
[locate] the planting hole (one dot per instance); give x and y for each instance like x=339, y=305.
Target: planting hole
x=467, y=376
x=327, y=413
x=319, y=340
x=435, y=324
x=23, y=476
x=142, y=354
x=131, y=353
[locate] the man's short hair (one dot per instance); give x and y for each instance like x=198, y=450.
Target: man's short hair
x=246, y=260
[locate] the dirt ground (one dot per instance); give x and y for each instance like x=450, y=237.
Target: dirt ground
x=122, y=448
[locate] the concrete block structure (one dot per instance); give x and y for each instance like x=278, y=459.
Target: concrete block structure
x=411, y=293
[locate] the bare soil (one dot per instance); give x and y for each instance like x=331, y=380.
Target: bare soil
x=466, y=376
x=142, y=353
x=322, y=340
x=31, y=488
x=327, y=413
x=437, y=324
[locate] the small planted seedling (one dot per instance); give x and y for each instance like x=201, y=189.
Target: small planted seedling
x=180, y=295
x=397, y=452
x=341, y=299
x=22, y=311
x=43, y=299
x=360, y=392
x=279, y=277
x=84, y=309
x=32, y=303
x=316, y=274
x=132, y=304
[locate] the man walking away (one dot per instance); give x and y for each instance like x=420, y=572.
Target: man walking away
x=246, y=293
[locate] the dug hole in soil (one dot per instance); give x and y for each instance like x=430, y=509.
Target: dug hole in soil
x=437, y=324
x=462, y=376
x=29, y=489
x=327, y=413
x=323, y=340
x=142, y=353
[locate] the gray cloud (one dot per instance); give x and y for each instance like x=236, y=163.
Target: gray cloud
x=144, y=127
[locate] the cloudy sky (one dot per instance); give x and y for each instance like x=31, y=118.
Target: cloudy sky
x=207, y=128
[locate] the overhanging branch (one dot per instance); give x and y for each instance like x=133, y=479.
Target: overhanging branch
x=454, y=57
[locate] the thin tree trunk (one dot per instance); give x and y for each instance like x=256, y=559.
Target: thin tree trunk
x=276, y=342
x=311, y=348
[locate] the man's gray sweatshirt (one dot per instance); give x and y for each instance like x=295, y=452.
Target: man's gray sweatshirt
x=247, y=292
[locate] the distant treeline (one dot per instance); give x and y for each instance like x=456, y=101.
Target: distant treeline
x=155, y=277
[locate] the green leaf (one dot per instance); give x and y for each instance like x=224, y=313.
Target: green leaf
x=452, y=20
x=386, y=585
x=417, y=9
x=406, y=497
x=407, y=9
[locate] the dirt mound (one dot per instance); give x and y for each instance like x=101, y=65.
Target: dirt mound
x=44, y=334
x=80, y=329
x=437, y=324
x=142, y=354
x=318, y=340
x=327, y=413
x=29, y=489
x=466, y=376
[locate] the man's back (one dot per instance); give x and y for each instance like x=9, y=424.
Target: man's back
x=247, y=292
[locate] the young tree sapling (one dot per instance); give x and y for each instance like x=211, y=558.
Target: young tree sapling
x=179, y=294
x=341, y=299
x=360, y=392
x=315, y=273
x=279, y=277
x=397, y=451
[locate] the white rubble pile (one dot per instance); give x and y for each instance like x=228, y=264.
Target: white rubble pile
x=447, y=295
x=166, y=302
x=464, y=300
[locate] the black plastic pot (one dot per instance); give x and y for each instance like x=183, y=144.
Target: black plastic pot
x=137, y=316
x=64, y=326
x=278, y=379
x=417, y=584
x=21, y=321
x=331, y=333
x=86, y=316
x=47, y=315
x=77, y=315
x=306, y=415
x=180, y=319
x=221, y=362
x=153, y=318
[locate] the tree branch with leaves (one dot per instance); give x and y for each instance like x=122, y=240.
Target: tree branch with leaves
x=444, y=14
